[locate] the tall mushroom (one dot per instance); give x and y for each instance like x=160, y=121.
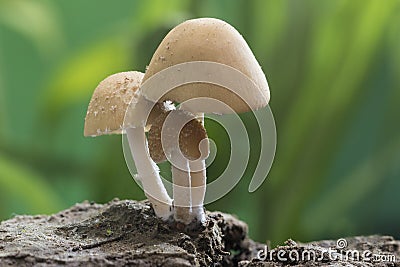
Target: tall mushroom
x=105, y=115
x=205, y=40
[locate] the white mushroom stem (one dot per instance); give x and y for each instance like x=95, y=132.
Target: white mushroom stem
x=198, y=190
x=148, y=173
x=181, y=190
x=198, y=182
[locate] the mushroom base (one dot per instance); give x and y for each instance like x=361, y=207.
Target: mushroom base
x=127, y=233
x=148, y=173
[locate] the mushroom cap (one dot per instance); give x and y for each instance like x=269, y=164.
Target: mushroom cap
x=110, y=101
x=190, y=136
x=213, y=40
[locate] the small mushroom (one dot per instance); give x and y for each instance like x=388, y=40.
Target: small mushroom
x=106, y=115
x=204, y=40
x=110, y=101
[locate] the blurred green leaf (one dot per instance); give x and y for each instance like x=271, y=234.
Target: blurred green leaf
x=394, y=43
x=36, y=20
x=352, y=189
x=150, y=14
x=77, y=78
x=270, y=14
x=314, y=131
x=2, y=107
x=28, y=189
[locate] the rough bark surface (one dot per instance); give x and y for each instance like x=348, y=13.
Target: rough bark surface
x=125, y=232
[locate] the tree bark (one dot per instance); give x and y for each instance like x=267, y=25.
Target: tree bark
x=125, y=232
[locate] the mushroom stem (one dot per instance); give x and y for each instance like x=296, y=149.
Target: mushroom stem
x=148, y=173
x=181, y=191
x=198, y=190
x=198, y=182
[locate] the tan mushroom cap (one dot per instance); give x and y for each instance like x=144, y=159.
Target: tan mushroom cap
x=110, y=100
x=209, y=39
x=192, y=133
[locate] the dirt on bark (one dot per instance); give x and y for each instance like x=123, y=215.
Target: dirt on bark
x=125, y=232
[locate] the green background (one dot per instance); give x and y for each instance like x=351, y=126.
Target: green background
x=334, y=72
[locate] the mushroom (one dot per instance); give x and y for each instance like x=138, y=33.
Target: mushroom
x=106, y=115
x=224, y=58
